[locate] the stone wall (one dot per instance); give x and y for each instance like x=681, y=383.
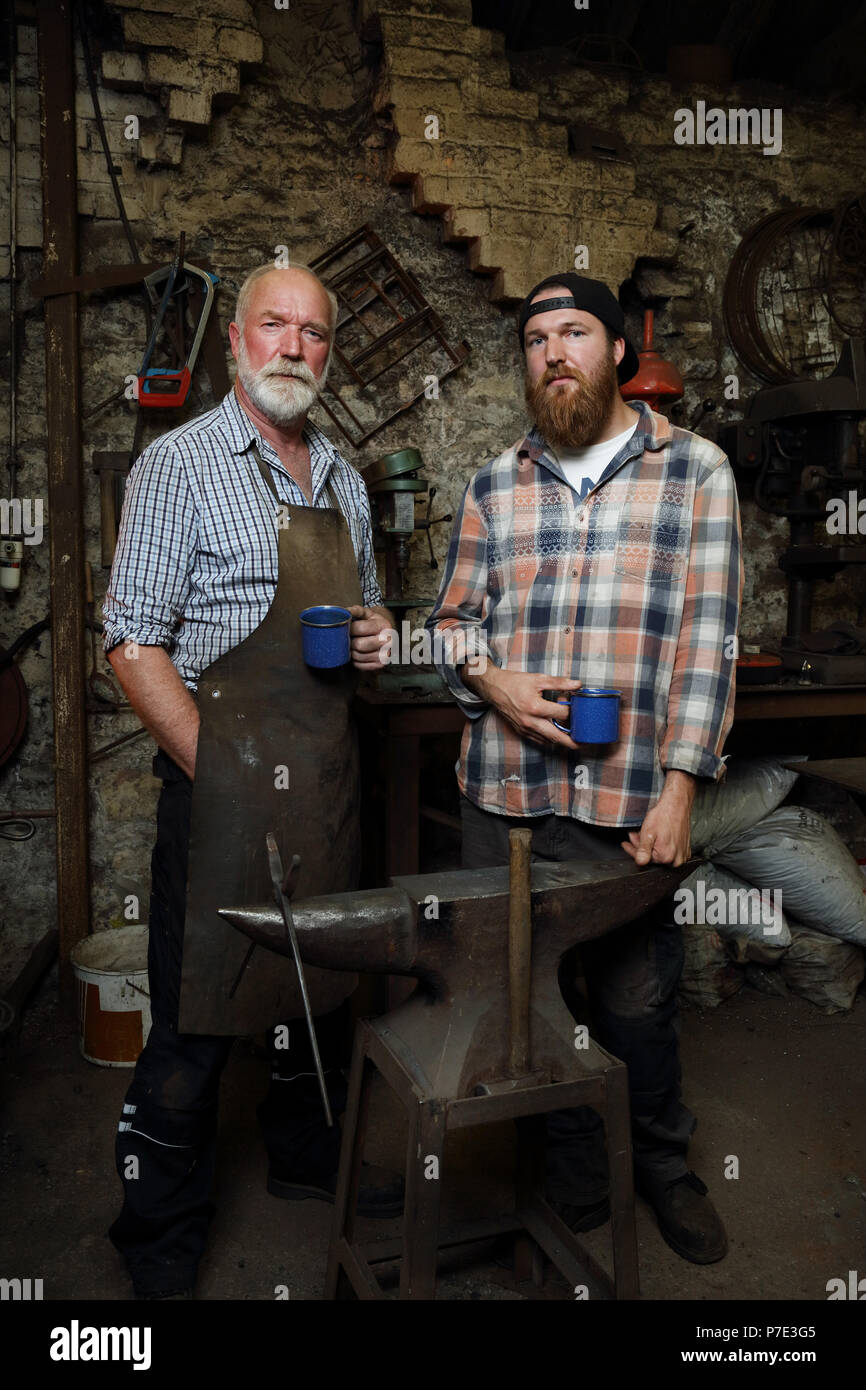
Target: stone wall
x=261, y=127
x=486, y=155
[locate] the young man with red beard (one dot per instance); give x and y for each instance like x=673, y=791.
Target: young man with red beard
x=603, y=549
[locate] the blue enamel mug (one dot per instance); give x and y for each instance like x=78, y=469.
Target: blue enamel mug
x=594, y=715
x=326, y=636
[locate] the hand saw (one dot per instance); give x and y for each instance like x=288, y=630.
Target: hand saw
x=169, y=386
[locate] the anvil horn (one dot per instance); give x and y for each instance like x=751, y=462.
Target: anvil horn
x=373, y=931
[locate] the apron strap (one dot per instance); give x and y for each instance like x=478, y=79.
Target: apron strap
x=266, y=473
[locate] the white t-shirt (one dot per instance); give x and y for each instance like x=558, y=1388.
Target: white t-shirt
x=584, y=467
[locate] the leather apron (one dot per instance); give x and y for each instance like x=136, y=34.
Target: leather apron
x=268, y=719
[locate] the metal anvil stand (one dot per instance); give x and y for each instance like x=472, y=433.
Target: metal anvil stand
x=486, y=1036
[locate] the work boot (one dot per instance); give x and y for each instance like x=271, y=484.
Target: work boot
x=687, y=1218
x=380, y=1192
x=582, y=1218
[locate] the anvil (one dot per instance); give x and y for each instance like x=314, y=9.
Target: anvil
x=482, y=1016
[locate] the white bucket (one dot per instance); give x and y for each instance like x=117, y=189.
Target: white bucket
x=113, y=995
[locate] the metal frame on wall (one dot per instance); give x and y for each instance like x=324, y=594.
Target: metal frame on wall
x=383, y=320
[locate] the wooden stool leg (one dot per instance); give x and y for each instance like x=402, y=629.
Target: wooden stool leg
x=423, y=1196
x=351, y=1153
x=529, y=1180
x=623, y=1233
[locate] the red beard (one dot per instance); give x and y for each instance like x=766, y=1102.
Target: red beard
x=571, y=417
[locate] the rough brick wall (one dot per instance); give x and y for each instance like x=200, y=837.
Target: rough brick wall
x=497, y=167
x=171, y=72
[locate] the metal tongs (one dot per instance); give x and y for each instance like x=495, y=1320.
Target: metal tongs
x=280, y=882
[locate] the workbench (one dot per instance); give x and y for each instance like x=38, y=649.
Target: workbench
x=394, y=717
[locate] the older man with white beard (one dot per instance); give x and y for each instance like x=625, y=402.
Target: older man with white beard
x=195, y=573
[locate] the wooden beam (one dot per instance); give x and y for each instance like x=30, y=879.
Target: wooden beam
x=65, y=483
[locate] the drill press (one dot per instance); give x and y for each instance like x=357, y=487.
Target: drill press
x=394, y=484
x=799, y=444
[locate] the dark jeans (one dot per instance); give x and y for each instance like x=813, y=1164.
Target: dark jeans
x=166, y=1141
x=631, y=979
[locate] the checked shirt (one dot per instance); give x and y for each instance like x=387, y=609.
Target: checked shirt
x=195, y=570
x=636, y=586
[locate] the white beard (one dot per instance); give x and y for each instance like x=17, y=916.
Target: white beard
x=284, y=399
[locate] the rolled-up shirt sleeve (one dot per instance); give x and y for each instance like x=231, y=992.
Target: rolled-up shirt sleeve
x=458, y=614
x=702, y=689
x=149, y=581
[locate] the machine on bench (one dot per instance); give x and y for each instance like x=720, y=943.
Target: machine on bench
x=799, y=443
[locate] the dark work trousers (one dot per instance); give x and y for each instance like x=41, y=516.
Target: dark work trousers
x=631, y=979
x=166, y=1141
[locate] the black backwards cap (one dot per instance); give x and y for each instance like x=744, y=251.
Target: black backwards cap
x=589, y=295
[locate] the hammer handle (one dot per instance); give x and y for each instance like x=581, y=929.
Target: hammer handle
x=107, y=515
x=519, y=946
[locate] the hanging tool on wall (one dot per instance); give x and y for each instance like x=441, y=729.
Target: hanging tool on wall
x=168, y=288
x=101, y=689
x=390, y=348
x=111, y=466
x=199, y=285
x=196, y=284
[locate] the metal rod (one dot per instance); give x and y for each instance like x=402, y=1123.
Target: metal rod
x=116, y=743
x=519, y=946
x=240, y=974
x=418, y=319
x=277, y=880
x=393, y=362
x=115, y=396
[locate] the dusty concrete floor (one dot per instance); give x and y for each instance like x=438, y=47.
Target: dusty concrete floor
x=773, y=1082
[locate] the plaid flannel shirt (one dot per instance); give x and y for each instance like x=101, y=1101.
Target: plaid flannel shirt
x=638, y=587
